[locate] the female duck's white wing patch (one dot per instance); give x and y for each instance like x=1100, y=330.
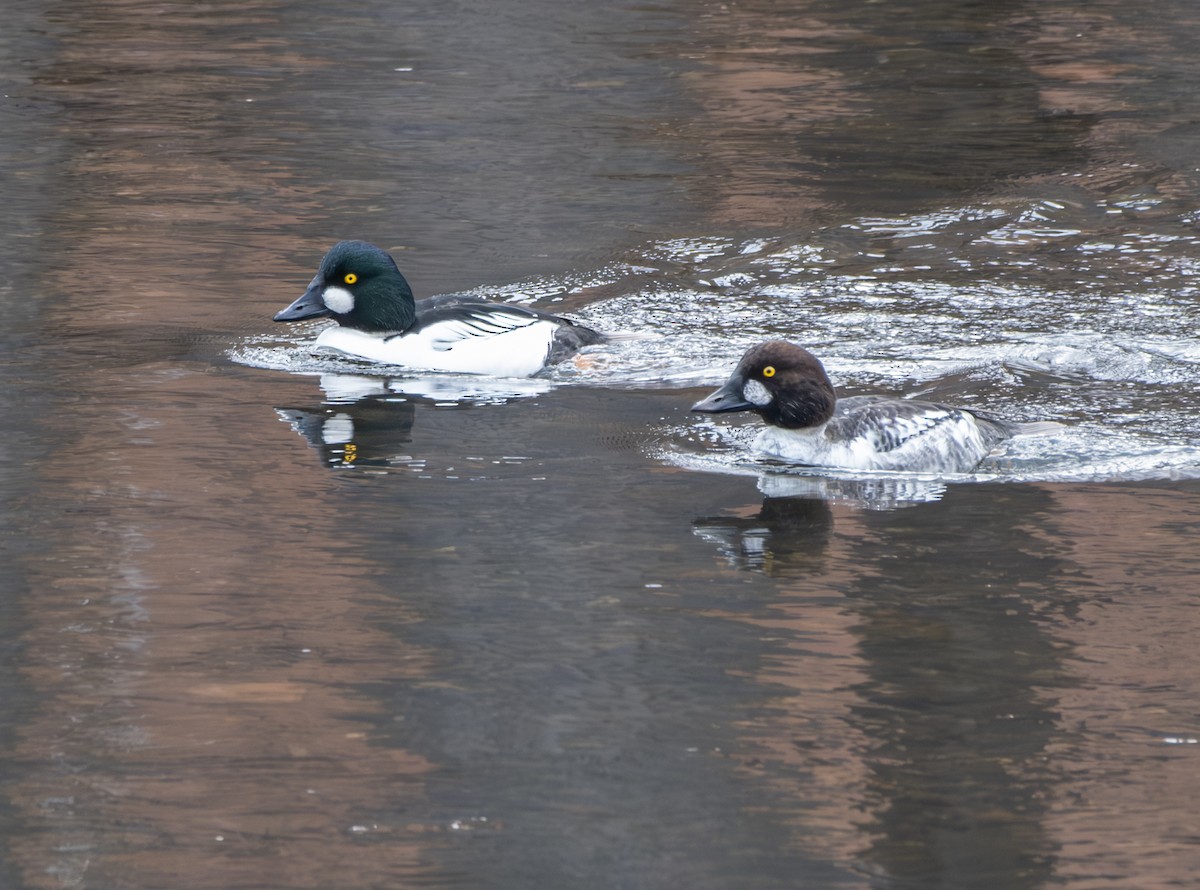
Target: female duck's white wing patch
x=869, y=433
x=892, y=425
x=911, y=436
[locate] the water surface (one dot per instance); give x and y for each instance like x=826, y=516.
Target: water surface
x=272, y=619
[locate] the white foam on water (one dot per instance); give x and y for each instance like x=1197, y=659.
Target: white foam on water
x=956, y=305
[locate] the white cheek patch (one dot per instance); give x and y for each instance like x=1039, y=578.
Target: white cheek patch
x=756, y=394
x=338, y=299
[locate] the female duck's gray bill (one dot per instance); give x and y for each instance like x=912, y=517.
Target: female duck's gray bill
x=728, y=398
x=309, y=305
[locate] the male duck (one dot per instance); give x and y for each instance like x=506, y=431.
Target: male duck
x=378, y=320
x=788, y=387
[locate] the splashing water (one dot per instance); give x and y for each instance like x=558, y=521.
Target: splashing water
x=1016, y=309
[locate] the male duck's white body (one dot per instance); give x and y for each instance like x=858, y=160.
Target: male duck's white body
x=378, y=320
x=452, y=346
x=788, y=387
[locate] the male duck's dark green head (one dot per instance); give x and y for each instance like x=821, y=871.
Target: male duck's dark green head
x=358, y=285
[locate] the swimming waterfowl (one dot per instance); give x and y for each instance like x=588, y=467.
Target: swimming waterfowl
x=786, y=385
x=361, y=288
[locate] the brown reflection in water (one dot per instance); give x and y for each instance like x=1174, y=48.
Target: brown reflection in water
x=807, y=107
x=807, y=748
x=761, y=87
x=1127, y=758
x=174, y=184
x=199, y=721
x=1105, y=785
x=891, y=635
x=1102, y=64
x=199, y=708
x=1082, y=58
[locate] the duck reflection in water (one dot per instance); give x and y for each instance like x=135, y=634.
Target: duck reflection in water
x=791, y=530
x=787, y=533
x=365, y=432
x=866, y=492
x=363, y=420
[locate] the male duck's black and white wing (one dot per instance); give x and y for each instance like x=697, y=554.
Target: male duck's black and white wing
x=449, y=321
x=446, y=322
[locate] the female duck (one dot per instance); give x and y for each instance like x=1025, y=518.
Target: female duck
x=788, y=387
x=378, y=320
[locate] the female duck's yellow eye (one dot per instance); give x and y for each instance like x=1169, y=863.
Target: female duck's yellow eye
x=350, y=278
x=769, y=371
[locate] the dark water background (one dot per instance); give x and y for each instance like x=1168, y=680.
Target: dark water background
x=271, y=621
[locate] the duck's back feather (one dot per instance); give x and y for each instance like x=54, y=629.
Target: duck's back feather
x=882, y=433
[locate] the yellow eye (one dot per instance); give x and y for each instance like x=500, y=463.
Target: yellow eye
x=768, y=371
x=350, y=278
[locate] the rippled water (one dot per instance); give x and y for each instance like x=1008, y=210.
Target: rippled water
x=277, y=619
x=919, y=305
